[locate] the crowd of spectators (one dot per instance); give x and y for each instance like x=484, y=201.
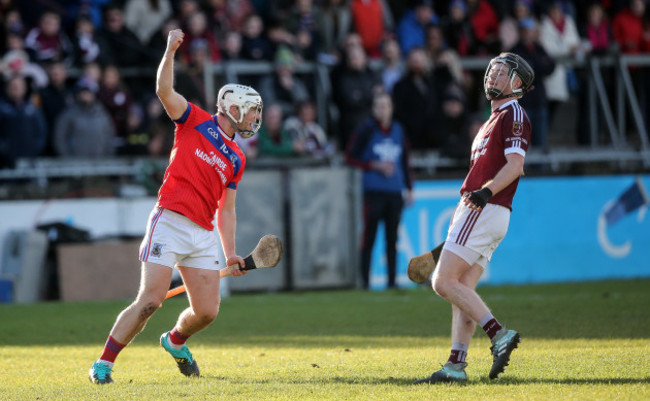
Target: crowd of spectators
x=66, y=93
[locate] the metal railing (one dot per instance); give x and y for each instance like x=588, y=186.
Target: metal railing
x=618, y=149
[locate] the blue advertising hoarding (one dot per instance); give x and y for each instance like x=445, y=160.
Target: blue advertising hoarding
x=561, y=229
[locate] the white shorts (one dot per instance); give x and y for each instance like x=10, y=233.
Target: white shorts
x=174, y=240
x=474, y=236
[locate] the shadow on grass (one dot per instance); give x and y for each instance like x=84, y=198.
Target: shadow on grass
x=324, y=380
x=506, y=381
x=580, y=381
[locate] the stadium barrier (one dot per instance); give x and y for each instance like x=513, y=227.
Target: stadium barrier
x=561, y=229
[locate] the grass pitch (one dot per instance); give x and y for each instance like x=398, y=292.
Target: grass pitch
x=580, y=341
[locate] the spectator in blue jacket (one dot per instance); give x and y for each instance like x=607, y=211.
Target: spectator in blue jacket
x=22, y=125
x=411, y=31
x=380, y=148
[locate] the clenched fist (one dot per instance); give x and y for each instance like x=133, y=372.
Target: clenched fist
x=175, y=39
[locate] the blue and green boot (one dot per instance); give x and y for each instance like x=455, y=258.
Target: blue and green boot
x=183, y=357
x=450, y=373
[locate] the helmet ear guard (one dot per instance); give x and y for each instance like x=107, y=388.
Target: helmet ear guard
x=518, y=67
x=244, y=98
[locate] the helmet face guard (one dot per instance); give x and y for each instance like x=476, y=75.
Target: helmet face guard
x=253, y=127
x=244, y=98
x=510, y=65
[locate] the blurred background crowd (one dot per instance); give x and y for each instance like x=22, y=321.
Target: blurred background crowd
x=78, y=76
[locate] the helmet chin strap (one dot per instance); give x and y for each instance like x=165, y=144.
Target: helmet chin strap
x=232, y=122
x=502, y=96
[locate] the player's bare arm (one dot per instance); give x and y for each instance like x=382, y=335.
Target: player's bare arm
x=173, y=102
x=227, y=225
x=513, y=169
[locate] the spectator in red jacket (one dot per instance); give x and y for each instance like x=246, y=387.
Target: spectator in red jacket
x=627, y=27
x=371, y=20
x=485, y=24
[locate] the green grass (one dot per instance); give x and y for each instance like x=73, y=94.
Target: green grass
x=580, y=341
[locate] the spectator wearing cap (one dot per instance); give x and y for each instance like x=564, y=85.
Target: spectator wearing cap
x=283, y=86
x=412, y=25
x=85, y=129
x=535, y=103
x=22, y=125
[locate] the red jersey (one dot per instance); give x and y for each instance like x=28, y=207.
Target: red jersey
x=203, y=162
x=507, y=131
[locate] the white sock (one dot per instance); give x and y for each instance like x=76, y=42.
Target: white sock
x=107, y=363
x=174, y=346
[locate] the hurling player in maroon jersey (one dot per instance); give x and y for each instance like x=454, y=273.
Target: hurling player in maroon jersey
x=204, y=169
x=481, y=219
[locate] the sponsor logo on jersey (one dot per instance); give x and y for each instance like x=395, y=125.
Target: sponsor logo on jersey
x=212, y=159
x=222, y=176
x=213, y=133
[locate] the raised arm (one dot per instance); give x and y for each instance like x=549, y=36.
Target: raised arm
x=174, y=103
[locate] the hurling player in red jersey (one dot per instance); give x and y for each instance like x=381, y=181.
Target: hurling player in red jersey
x=481, y=219
x=205, y=166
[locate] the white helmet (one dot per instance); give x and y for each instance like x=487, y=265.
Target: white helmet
x=245, y=98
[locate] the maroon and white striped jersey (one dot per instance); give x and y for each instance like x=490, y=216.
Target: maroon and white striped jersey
x=507, y=131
